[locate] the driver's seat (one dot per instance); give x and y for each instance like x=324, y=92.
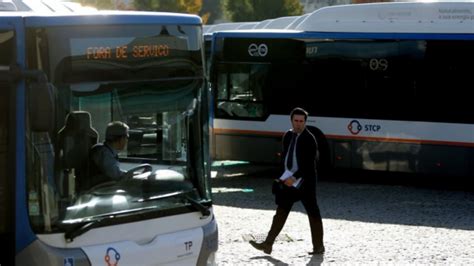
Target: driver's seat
x=75, y=140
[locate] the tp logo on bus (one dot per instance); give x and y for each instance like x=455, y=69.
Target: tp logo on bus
x=258, y=50
x=188, y=245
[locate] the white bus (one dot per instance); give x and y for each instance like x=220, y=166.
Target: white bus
x=387, y=87
x=63, y=78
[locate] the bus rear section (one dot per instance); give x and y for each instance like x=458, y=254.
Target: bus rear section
x=389, y=95
x=146, y=70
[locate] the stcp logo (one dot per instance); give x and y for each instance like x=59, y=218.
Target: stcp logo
x=258, y=50
x=354, y=127
x=112, y=257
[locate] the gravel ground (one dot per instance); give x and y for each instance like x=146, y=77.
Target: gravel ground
x=364, y=224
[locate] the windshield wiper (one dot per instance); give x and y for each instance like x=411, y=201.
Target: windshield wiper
x=70, y=235
x=183, y=195
x=101, y=220
x=162, y=196
x=199, y=206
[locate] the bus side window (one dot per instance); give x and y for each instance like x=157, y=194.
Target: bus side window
x=240, y=91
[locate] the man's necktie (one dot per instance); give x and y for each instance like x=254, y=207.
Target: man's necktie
x=289, y=156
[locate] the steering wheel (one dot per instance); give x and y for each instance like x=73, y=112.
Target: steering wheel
x=146, y=168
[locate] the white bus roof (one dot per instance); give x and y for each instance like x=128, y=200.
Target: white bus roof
x=47, y=6
x=262, y=24
x=208, y=29
x=297, y=21
x=402, y=17
x=76, y=7
x=257, y=33
x=7, y=6
x=247, y=25
x=280, y=23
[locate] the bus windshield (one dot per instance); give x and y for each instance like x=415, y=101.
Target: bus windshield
x=149, y=77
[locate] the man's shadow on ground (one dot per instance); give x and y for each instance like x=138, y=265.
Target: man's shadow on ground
x=315, y=260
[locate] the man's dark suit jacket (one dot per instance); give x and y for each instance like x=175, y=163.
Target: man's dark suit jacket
x=306, y=152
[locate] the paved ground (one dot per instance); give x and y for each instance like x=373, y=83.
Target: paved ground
x=364, y=223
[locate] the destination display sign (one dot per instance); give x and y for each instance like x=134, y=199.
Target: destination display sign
x=124, y=48
x=124, y=51
x=126, y=58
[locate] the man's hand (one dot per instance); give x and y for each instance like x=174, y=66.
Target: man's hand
x=290, y=181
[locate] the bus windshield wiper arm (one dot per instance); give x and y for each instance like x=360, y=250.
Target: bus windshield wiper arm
x=70, y=235
x=182, y=194
x=77, y=231
x=163, y=196
x=199, y=206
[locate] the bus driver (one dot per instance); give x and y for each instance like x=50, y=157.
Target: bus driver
x=104, y=163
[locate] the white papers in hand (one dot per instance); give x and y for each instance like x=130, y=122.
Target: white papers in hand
x=287, y=174
x=297, y=183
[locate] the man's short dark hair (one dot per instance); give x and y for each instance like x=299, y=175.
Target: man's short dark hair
x=116, y=130
x=299, y=111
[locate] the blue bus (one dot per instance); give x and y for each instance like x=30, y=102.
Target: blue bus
x=63, y=78
x=386, y=85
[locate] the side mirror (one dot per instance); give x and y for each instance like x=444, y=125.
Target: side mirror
x=41, y=106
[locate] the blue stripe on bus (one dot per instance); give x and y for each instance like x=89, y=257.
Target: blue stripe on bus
x=346, y=35
x=23, y=232
x=7, y=22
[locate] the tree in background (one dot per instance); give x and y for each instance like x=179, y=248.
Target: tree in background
x=257, y=10
x=179, y=6
x=211, y=10
x=100, y=4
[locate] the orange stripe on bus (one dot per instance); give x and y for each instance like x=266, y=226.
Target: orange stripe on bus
x=248, y=132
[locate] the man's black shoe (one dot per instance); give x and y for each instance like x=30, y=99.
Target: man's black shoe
x=317, y=251
x=267, y=248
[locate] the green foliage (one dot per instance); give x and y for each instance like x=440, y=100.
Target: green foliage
x=146, y=5
x=212, y=10
x=180, y=6
x=99, y=4
x=257, y=10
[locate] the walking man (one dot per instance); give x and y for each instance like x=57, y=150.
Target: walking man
x=298, y=183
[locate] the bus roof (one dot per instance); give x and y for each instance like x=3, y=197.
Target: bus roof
x=262, y=24
x=280, y=23
x=277, y=23
x=401, y=17
x=208, y=30
x=110, y=17
x=41, y=6
x=7, y=6
x=247, y=25
x=296, y=22
x=222, y=26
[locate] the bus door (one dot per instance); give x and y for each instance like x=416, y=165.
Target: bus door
x=8, y=58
